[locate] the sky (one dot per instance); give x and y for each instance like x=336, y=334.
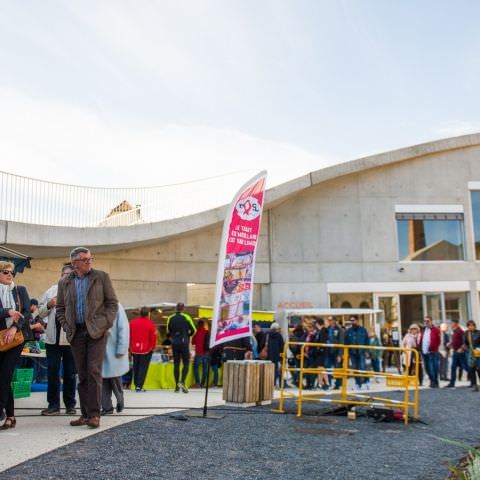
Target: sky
x=145, y=93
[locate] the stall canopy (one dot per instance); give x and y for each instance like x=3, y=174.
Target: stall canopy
x=20, y=260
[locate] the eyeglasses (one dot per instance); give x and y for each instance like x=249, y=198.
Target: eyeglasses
x=8, y=272
x=84, y=260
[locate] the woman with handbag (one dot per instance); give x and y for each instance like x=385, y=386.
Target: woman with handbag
x=14, y=325
x=274, y=344
x=472, y=342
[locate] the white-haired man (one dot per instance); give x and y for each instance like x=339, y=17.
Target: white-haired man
x=86, y=309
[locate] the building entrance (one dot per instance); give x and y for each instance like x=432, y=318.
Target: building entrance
x=411, y=310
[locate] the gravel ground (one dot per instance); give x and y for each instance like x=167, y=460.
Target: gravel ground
x=253, y=443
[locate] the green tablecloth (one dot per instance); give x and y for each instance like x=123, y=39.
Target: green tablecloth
x=160, y=376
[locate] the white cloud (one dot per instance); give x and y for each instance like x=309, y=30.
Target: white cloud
x=59, y=142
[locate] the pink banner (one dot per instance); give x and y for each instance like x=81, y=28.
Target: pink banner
x=232, y=311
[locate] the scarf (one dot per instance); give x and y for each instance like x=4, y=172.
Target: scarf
x=8, y=302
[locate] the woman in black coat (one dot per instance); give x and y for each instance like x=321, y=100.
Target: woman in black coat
x=318, y=353
x=472, y=342
x=14, y=315
x=275, y=350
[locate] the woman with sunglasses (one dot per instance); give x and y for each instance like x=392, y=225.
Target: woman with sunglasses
x=14, y=316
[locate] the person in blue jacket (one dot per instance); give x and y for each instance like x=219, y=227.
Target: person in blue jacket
x=115, y=363
x=357, y=335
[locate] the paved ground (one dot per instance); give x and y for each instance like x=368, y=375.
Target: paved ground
x=35, y=435
x=256, y=444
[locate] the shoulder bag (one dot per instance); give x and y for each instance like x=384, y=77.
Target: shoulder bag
x=264, y=351
x=17, y=340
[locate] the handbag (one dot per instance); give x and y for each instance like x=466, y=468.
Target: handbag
x=264, y=351
x=17, y=340
x=26, y=330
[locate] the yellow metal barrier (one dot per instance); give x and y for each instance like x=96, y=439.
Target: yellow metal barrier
x=404, y=381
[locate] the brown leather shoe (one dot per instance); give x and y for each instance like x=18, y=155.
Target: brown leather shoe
x=10, y=422
x=79, y=422
x=93, y=422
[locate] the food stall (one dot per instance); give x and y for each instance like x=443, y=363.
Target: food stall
x=160, y=371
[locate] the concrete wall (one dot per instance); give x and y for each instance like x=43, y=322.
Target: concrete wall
x=344, y=230
x=155, y=273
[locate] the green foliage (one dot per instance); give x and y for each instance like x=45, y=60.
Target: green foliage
x=472, y=468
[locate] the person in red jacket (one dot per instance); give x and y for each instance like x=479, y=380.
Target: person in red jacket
x=143, y=340
x=429, y=344
x=459, y=357
x=200, y=341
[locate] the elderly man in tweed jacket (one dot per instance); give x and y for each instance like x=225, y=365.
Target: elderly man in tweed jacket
x=86, y=309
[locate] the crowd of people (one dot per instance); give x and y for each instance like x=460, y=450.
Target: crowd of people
x=443, y=352
x=89, y=342
x=331, y=333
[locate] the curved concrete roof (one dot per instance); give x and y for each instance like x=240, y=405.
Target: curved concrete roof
x=22, y=236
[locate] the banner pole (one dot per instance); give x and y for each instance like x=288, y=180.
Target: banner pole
x=206, y=387
x=197, y=413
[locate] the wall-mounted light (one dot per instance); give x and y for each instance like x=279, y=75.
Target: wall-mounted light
x=401, y=269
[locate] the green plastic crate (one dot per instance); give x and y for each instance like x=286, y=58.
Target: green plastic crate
x=23, y=375
x=21, y=389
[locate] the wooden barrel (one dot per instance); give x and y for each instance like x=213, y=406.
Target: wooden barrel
x=267, y=379
x=247, y=382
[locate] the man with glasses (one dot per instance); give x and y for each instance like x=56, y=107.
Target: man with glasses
x=86, y=309
x=430, y=342
x=58, y=352
x=358, y=335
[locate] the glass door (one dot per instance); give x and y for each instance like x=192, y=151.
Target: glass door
x=411, y=310
x=389, y=304
x=433, y=306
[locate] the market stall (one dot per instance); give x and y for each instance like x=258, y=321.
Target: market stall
x=160, y=371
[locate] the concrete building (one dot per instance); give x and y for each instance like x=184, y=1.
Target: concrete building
x=399, y=231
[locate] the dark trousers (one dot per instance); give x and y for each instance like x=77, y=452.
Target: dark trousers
x=310, y=378
x=473, y=372
x=278, y=373
x=88, y=353
x=358, y=363
x=203, y=361
x=459, y=359
x=56, y=355
x=443, y=370
x=411, y=369
x=140, y=368
x=431, y=364
x=473, y=368
x=112, y=385
x=8, y=362
x=331, y=362
x=180, y=352
x=215, y=374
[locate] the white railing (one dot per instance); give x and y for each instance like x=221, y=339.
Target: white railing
x=33, y=201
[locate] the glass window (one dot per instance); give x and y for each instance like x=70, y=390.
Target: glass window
x=456, y=306
x=476, y=221
x=351, y=300
x=430, y=236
